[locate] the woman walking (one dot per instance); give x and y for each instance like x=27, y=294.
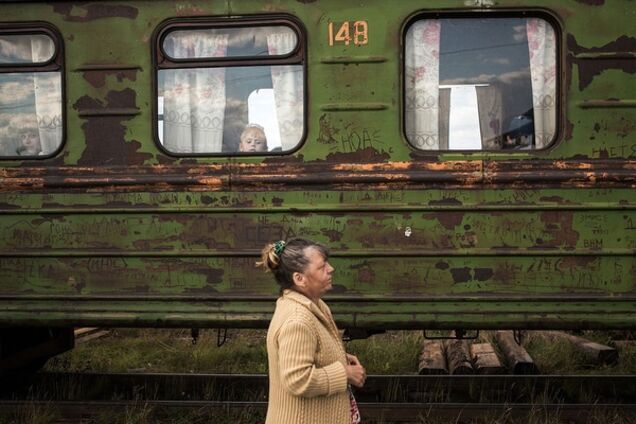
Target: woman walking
x=309, y=370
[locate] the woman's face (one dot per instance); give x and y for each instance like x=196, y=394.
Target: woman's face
x=315, y=280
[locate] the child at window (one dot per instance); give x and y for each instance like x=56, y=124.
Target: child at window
x=253, y=139
x=30, y=143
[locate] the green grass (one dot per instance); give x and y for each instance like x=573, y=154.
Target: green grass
x=557, y=356
x=150, y=350
x=144, y=350
x=395, y=352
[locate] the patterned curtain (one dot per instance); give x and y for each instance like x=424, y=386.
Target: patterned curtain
x=542, y=47
x=490, y=117
x=48, y=97
x=194, y=99
x=288, y=91
x=422, y=84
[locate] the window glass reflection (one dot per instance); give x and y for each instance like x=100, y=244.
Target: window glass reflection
x=255, y=109
x=208, y=110
x=480, y=84
x=28, y=48
x=230, y=42
x=30, y=113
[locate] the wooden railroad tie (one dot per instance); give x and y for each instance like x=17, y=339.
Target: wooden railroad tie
x=458, y=357
x=432, y=359
x=516, y=356
x=595, y=353
x=485, y=359
x=85, y=334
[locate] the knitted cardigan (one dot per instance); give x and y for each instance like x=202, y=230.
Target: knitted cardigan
x=306, y=357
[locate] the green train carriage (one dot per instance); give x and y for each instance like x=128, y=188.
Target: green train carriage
x=471, y=164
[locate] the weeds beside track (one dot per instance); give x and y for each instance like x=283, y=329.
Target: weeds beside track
x=386, y=398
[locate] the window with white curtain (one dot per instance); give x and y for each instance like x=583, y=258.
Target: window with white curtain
x=230, y=88
x=474, y=83
x=30, y=93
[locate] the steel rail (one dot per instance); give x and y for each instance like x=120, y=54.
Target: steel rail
x=370, y=411
x=396, y=398
x=384, y=388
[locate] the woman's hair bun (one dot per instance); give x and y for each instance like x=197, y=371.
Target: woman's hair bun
x=270, y=260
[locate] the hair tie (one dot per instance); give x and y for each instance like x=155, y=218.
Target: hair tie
x=279, y=246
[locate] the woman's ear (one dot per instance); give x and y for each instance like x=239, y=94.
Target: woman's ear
x=299, y=279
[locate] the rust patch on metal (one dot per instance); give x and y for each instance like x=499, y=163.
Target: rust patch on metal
x=94, y=11
x=592, y=2
x=442, y=265
x=507, y=272
x=368, y=154
x=105, y=135
x=207, y=200
x=365, y=272
x=284, y=160
x=557, y=199
x=569, y=262
x=603, y=153
x=213, y=276
x=626, y=128
x=559, y=225
x=338, y=289
x=277, y=201
x=445, y=202
x=483, y=274
x=332, y=234
x=569, y=129
x=448, y=219
x=165, y=160
x=460, y=275
x=589, y=68
x=98, y=78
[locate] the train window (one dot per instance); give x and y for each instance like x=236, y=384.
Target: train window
x=30, y=95
x=480, y=83
x=202, y=43
x=236, y=89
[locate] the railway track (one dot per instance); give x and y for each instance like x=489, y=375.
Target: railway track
x=76, y=411
x=396, y=398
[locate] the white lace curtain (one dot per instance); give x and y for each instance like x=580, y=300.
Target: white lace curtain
x=194, y=99
x=47, y=87
x=423, y=119
x=31, y=101
x=542, y=49
x=490, y=116
x=422, y=84
x=288, y=91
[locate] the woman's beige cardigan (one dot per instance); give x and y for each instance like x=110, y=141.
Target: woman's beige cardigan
x=307, y=377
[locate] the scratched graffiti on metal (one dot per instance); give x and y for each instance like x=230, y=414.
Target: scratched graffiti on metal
x=115, y=223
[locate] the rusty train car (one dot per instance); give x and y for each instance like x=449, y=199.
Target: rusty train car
x=471, y=163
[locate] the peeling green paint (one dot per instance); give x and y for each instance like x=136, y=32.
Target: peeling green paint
x=114, y=232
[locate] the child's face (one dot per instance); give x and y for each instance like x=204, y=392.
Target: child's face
x=253, y=140
x=31, y=142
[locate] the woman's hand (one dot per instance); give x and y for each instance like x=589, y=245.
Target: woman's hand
x=352, y=360
x=356, y=374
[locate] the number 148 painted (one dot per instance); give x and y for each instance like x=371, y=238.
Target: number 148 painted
x=358, y=32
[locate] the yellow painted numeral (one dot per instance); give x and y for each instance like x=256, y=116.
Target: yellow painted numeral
x=360, y=33
x=343, y=35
